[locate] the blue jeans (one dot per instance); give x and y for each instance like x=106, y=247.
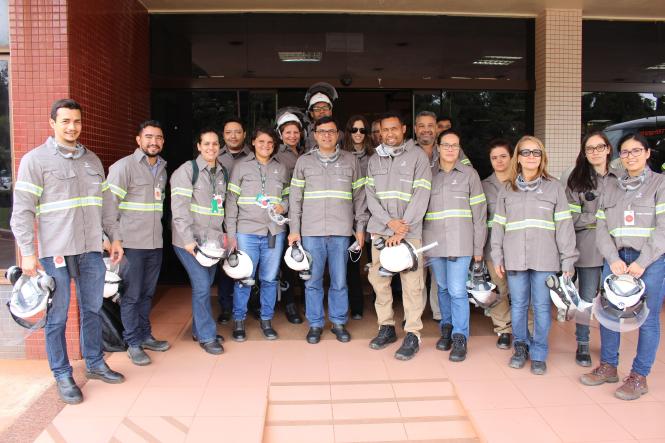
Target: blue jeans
x=529, y=286
x=649, y=337
x=256, y=246
x=450, y=278
x=332, y=249
x=589, y=283
x=139, y=280
x=89, y=293
x=201, y=278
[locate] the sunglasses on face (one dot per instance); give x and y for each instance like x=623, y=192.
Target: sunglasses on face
x=529, y=152
x=354, y=130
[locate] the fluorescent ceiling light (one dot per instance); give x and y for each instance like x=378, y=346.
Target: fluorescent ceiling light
x=460, y=78
x=497, y=60
x=658, y=66
x=300, y=56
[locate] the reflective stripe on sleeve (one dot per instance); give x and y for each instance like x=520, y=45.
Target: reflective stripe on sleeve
x=233, y=188
x=392, y=195
x=359, y=183
x=600, y=214
x=477, y=199
x=71, y=203
x=206, y=210
x=448, y=213
x=500, y=219
x=297, y=182
x=576, y=209
x=29, y=187
x=116, y=190
x=422, y=183
x=143, y=207
x=562, y=215
x=184, y=192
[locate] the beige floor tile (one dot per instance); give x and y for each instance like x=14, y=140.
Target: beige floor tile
x=299, y=393
x=642, y=420
x=161, y=429
x=597, y=425
x=299, y=434
x=279, y=414
x=552, y=391
x=84, y=429
x=234, y=429
x=490, y=394
x=431, y=408
x=370, y=432
x=512, y=426
x=362, y=391
x=365, y=411
x=440, y=430
x=424, y=389
x=167, y=401
x=233, y=401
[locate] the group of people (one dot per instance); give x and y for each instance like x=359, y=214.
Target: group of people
x=334, y=192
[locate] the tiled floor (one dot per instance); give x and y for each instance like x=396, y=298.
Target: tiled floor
x=290, y=391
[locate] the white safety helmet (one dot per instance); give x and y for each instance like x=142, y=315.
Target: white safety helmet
x=320, y=92
x=238, y=265
x=622, y=304
x=299, y=260
x=480, y=288
x=209, y=253
x=30, y=296
x=112, y=281
x=564, y=294
x=395, y=259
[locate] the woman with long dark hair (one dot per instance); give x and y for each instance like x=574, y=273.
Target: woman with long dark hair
x=532, y=238
x=357, y=140
x=630, y=235
x=585, y=188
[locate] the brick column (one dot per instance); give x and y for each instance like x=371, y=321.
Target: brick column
x=557, y=103
x=94, y=52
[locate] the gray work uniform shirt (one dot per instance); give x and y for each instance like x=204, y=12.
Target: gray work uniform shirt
x=457, y=214
x=326, y=198
x=491, y=188
x=250, y=179
x=584, y=211
x=398, y=188
x=633, y=219
x=287, y=158
x=534, y=229
x=138, y=200
x=194, y=215
x=65, y=196
x=228, y=158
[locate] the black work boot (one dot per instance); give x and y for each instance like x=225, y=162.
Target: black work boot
x=459, y=348
x=68, y=391
x=314, y=335
x=410, y=346
x=445, y=342
x=340, y=333
x=504, y=341
x=386, y=336
x=582, y=355
x=152, y=344
x=268, y=332
x=520, y=356
x=292, y=314
x=138, y=356
x=239, y=330
x=224, y=316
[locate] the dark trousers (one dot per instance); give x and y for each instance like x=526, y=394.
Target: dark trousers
x=355, y=281
x=224, y=291
x=139, y=280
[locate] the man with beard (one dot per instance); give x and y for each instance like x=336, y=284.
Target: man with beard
x=136, y=184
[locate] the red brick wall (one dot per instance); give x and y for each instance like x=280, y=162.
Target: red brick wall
x=95, y=52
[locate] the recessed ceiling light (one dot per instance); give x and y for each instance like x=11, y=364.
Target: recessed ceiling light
x=485, y=78
x=460, y=78
x=427, y=77
x=658, y=66
x=300, y=56
x=497, y=60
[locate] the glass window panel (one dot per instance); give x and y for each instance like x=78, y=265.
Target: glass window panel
x=7, y=249
x=4, y=23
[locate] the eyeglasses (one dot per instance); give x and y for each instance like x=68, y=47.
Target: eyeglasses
x=321, y=108
x=598, y=148
x=354, y=130
x=634, y=152
x=529, y=152
x=326, y=131
x=449, y=147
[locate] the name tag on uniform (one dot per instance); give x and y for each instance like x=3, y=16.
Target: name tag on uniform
x=59, y=261
x=158, y=194
x=216, y=203
x=629, y=218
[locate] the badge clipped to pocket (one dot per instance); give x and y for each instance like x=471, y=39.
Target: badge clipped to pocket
x=59, y=261
x=158, y=194
x=262, y=200
x=629, y=218
x=216, y=203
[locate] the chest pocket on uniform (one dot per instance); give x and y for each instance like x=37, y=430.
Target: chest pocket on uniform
x=342, y=176
x=645, y=211
x=58, y=183
x=545, y=206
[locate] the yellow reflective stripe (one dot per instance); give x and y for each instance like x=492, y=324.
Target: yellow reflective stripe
x=117, y=190
x=234, y=188
x=330, y=193
x=489, y=224
x=530, y=223
x=297, y=182
x=29, y=187
x=205, y=210
x=466, y=161
x=477, y=199
x=577, y=209
x=369, y=181
x=422, y=183
x=500, y=219
x=286, y=191
x=631, y=232
x=388, y=195
x=69, y=204
x=145, y=207
x=448, y=213
x=185, y=192
x=600, y=214
x=105, y=186
x=359, y=183
x=562, y=215
x=251, y=200
x=660, y=208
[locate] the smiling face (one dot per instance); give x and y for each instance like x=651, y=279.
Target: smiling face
x=392, y=131
x=358, y=137
x=208, y=146
x=234, y=136
x=291, y=134
x=151, y=141
x=326, y=136
x=66, y=126
x=425, y=130
x=530, y=162
x=634, y=156
x=596, y=151
x=449, y=148
x=264, y=145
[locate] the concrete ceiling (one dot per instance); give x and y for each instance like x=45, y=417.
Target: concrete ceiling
x=592, y=9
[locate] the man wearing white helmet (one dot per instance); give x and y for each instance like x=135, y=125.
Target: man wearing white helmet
x=319, y=99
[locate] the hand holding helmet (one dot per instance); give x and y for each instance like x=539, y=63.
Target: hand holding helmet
x=239, y=266
x=621, y=305
x=299, y=260
x=30, y=296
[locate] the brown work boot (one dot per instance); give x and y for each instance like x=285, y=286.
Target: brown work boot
x=605, y=373
x=634, y=386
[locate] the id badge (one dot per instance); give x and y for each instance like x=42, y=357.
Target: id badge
x=59, y=261
x=158, y=194
x=216, y=203
x=629, y=218
x=262, y=200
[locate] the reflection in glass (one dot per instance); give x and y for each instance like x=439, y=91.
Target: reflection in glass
x=7, y=250
x=4, y=23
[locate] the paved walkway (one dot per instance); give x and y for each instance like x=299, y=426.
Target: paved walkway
x=290, y=391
